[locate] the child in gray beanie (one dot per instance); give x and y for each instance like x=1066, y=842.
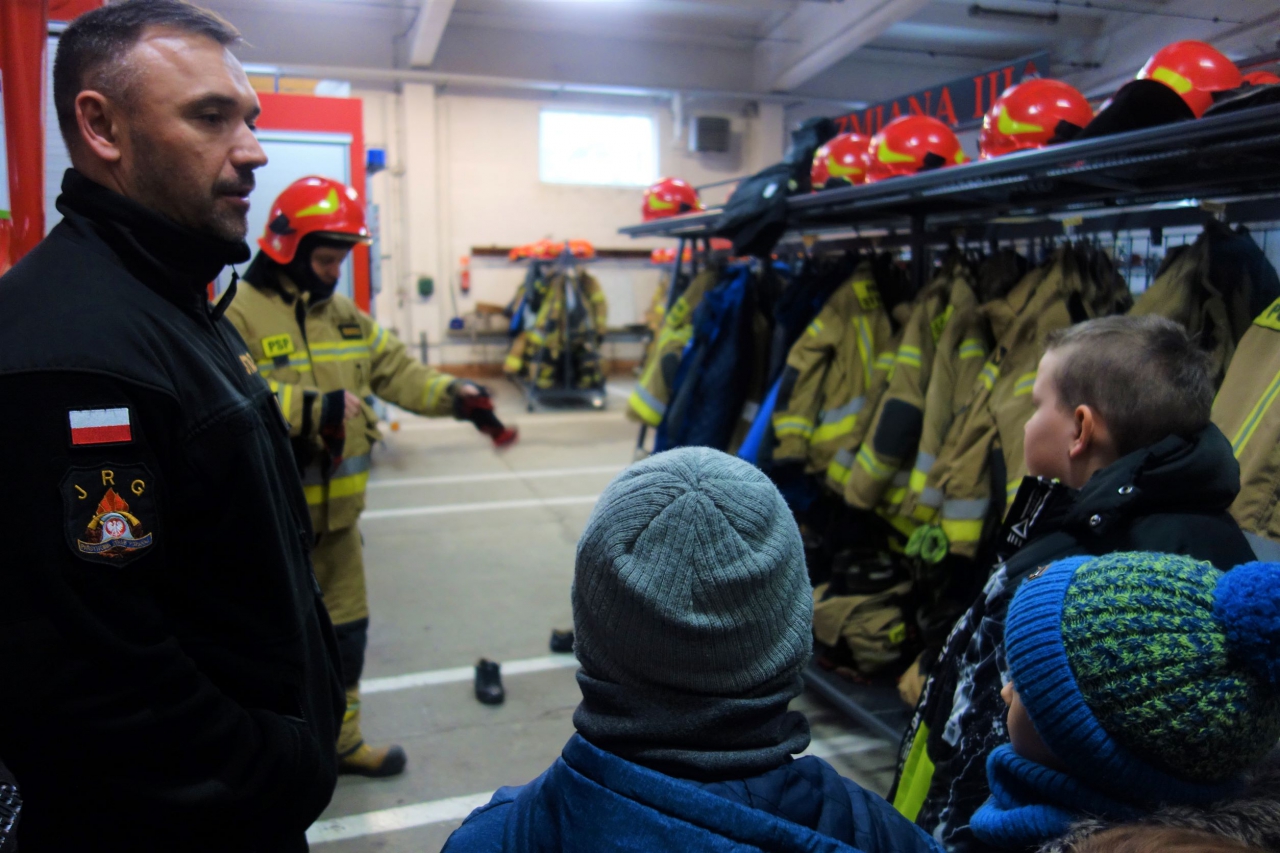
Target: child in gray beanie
x=692, y=621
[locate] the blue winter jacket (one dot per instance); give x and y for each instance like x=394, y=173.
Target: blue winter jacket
x=592, y=801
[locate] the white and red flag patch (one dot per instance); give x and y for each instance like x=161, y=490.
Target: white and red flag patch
x=100, y=426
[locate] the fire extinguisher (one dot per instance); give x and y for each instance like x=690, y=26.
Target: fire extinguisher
x=464, y=278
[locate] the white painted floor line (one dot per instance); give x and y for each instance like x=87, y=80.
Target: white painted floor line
x=457, y=808
x=446, y=509
x=401, y=817
x=445, y=479
x=464, y=673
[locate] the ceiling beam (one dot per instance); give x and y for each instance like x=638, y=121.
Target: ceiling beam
x=428, y=28
x=818, y=35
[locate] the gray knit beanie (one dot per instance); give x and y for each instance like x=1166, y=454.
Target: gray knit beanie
x=690, y=576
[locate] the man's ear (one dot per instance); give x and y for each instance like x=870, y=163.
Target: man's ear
x=1086, y=421
x=100, y=131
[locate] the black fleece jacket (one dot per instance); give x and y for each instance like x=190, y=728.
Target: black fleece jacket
x=1171, y=497
x=168, y=668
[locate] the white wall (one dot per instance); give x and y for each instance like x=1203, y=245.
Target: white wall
x=464, y=172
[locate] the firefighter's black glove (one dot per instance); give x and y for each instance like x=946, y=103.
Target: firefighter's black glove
x=333, y=427
x=478, y=408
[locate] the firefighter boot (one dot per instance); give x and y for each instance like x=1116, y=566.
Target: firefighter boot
x=356, y=756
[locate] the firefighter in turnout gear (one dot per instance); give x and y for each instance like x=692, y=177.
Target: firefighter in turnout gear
x=326, y=360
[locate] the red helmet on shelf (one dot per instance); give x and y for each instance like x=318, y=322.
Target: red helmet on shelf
x=911, y=144
x=1030, y=115
x=1194, y=70
x=843, y=159
x=312, y=205
x=1261, y=78
x=669, y=197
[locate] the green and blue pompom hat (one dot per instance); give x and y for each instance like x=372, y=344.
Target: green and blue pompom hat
x=1153, y=676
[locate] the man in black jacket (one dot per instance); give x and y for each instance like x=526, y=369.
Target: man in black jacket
x=170, y=676
x=1125, y=459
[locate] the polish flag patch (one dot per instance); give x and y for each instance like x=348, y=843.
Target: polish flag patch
x=100, y=426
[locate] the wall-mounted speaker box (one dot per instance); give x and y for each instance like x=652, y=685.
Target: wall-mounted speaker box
x=709, y=134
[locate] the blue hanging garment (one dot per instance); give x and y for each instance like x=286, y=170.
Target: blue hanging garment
x=711, y=384
x=760, y=427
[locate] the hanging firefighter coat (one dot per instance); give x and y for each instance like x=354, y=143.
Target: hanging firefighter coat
x=1214, y=288
x=307, y=351
x=1246, y=413
x=894, y=431
x=830, y=372
x=962, y=351
x=648, y=402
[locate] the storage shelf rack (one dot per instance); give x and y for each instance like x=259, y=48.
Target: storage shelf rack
x=1226, y=166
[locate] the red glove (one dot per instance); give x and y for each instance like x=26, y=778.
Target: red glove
x=478, y=408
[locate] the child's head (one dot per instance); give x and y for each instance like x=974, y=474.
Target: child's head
x=1110, y=386
x=690, y=580
x=1152, y=677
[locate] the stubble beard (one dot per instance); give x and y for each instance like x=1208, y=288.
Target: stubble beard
x=159, y=187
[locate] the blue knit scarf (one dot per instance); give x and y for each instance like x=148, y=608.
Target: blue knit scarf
x=1031, y=803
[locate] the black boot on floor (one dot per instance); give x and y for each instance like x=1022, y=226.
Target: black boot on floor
x=562, y=641
x=489, y=683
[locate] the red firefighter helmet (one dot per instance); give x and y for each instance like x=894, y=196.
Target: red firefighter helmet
x=669, y=197
x=1194, y=70
x=312, y=205
x=1261, y=78
x=1029, y=115
x=843, y=159
x=911, y=144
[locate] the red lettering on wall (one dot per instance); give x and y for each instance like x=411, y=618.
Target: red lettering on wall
x=994, y=79
x=914, y=105
x=895, y=111
x=946, y=109
x=1030, y=71
x=1008, y=76
x=978, y=107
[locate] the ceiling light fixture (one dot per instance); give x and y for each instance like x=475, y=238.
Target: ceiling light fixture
x=980, y=11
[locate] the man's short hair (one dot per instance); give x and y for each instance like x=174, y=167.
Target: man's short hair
x=92, y=50
x=1143, y=375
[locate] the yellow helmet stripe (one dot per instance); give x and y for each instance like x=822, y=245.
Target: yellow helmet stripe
x=1172, y=79
x=885, y=154
x=328, y=204
x=1010, y=126
x=839, y=170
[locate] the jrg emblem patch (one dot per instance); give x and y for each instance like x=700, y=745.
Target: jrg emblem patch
x=109, y=511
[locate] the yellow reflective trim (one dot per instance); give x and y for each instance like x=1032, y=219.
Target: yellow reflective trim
x=1010, y=126
x=1250, y=424
x=917, y=776
x=598, y=296
x=380, y=341
x=963, y=530
x=885, y=362
x=885, y=154
x=339, y=487
x=923, y=513
x=328, y=204
x=339, y=346
x=868, y=294
x=838, y=472
x=1172, y=79
x=344, y=356
x=864, y=348
x=895, y=496
x=1269, y=319
x=909, y=355
x=514, y=362
x=972, y=348
x=1024, y=384
x=918, y=480
x=1011, y=490
x=827, y=432
x=302, y=364
x=436, y=386
x=286, y=399
x=869, y=462
x=644, y=410
x=989, y=375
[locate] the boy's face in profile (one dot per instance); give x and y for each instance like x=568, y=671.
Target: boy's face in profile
x=1024, y=738
x=1049, y=435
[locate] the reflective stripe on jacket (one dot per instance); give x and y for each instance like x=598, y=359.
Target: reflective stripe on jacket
x=342, y=348
x=1246, y=412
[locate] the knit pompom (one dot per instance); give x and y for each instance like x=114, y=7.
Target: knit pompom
x=1247, y=606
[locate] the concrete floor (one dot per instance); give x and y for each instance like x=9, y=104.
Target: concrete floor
x=477, y=561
